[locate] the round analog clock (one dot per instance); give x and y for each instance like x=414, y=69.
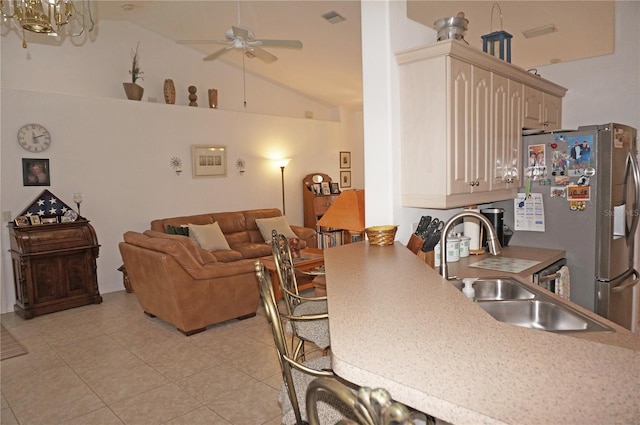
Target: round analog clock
x=34, y=137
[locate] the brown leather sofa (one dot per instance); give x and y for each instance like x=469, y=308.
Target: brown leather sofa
x=190, y=287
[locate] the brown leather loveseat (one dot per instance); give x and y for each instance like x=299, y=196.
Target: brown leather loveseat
x=192, y=287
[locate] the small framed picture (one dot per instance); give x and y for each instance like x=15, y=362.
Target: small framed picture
x=345, y=159
x=335, y=188
x=49, y=220
x=22, y=221
x=345, y=178
x=35, y=172
x=317, y=190
x=209, y=160
x=35, y=219
x=326, y=189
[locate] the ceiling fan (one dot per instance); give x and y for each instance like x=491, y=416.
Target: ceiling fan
x=238, y=37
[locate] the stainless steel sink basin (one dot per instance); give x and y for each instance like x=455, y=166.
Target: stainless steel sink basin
x=498, y=289
x=543, y=315
x=511, y=301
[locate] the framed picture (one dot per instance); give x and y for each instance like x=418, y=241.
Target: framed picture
x=22, y=221
x=326, y=189
x=345, y=159
x=317, y=190
x=35, y=172
x=34, y=219
x=49, y=220
x=335, y=188
x=345, y=178
x=209, y=160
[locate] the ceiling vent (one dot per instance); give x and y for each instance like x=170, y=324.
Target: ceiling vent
x=537, y=32
x=333, y=17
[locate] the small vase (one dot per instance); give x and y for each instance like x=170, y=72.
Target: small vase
x=169, y=92
x=213, y=98
x=133, y=91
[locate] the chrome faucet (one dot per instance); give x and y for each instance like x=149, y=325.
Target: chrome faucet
x=492, y=238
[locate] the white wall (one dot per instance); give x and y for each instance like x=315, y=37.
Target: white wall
x=601, y=90
x=116, y=152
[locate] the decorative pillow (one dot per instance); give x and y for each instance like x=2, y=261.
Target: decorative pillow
x=280, y=224
x=178, y=230
x=209, y=236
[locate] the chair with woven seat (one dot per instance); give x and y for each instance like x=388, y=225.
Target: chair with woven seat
x=316, y=330
x=296, y=374
x=369, y=407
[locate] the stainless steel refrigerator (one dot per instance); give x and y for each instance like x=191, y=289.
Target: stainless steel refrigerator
x=590, y=193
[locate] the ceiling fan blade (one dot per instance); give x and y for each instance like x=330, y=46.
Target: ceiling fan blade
x=202, y=42
x=240, y=32
x=292, y=44
x=215, y=54
x=261, y=54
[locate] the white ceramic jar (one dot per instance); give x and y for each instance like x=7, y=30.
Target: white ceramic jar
x=464, y=246
x=453, y=249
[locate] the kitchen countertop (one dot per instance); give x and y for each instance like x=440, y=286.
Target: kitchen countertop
x=395, y=323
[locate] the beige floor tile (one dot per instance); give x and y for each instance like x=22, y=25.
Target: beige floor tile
x=213, y=383
x=274, y=381
x=231, y=345
x=29, y=366
x=156, y=406
x=126, y=383
x=260, y=364
x=263, y=401
x=7, y=417
x=53, y=396
x=141, y=334
x=176, y=360
x=102, y=416
x=201, y=416
x=87, y=350
x=106, y=364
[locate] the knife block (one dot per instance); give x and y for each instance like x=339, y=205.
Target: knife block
x=428, y=257
x=415, y=243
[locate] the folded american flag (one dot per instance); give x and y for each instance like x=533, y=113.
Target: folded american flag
x=46, y=205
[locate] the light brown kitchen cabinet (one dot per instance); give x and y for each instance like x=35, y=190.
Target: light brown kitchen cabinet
x=541, y=110
x=462, y=114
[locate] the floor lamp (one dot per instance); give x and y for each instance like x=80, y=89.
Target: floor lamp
x=283, y=163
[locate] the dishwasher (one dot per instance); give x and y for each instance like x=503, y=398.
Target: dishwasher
x=548, y=277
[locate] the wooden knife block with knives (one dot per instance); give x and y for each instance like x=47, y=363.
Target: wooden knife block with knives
x=415, y=245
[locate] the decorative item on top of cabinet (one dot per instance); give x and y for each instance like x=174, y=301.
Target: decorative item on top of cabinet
x=314, y=202
x=169, y=92
x=193, y=97
x=213, y=98
x=132, y=90
x=478, y=132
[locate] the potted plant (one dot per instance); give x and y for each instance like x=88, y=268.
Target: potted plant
x=133, y=90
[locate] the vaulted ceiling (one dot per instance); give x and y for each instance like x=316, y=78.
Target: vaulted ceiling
x=329, y=66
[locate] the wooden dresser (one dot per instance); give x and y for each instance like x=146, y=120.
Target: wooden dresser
x=54, y=267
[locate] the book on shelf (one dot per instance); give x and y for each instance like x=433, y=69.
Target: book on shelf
x=328, y=237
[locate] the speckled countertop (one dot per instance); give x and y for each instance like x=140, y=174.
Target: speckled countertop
x=395, y=323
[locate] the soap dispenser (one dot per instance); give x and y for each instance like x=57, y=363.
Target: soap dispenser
x=468, y=287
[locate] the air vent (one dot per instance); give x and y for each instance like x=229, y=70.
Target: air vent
x=333, y=17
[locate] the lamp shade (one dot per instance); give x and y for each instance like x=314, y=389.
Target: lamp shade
x=347, y=212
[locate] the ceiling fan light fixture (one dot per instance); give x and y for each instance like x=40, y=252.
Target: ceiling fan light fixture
x=333, y=17
x=543, y=30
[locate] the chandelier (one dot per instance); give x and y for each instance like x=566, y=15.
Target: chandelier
x=51, y=17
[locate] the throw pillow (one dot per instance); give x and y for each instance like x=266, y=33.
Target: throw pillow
x=279, y=224
x=178, y=230
x=209, y=236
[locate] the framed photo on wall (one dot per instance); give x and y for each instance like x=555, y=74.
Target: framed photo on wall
x=209, y=160
x=345, y=178
x=345, y=159
x=35, y=172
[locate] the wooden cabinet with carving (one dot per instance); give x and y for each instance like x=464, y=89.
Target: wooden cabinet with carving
x=315, y=205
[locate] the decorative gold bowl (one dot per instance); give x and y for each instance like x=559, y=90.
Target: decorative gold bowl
x=381, y=235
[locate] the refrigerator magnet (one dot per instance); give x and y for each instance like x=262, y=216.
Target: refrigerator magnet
x=578, y=193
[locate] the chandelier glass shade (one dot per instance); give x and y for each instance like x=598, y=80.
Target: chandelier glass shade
x=51, y=17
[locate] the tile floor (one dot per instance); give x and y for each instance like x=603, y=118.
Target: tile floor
x=110, y=364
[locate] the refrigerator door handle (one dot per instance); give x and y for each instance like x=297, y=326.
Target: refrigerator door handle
x=636, y=180
x=629, y=283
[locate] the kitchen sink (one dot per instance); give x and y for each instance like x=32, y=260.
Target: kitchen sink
x=496, y=289
x=513, y=302
x=543, y=315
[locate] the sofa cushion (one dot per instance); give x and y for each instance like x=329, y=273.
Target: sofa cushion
x=279, y=224
x=228, y=256
x=253, y=250
x=201, y=255
x=175, y=248
x=208, y=236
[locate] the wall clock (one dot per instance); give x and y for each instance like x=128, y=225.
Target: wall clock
x=34, y=137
